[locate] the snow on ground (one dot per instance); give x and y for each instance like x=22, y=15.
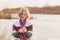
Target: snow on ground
x=45, y=27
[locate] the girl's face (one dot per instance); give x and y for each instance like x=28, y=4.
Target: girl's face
x=23, y=15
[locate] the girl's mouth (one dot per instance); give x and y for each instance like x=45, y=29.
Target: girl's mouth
x=22, y=17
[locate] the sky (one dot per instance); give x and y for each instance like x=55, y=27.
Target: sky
x=25, y=3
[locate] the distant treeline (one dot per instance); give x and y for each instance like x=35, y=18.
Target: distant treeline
x=45, y=10
x=35, y=10
x=6, y=13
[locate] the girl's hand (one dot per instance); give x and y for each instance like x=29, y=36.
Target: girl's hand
x=21, y=30
x=24, y=29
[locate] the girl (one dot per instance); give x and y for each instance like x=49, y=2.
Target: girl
x=22, y=29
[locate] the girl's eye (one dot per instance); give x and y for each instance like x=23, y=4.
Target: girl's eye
x=23, y=14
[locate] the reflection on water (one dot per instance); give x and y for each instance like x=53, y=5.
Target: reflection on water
x=46, y=27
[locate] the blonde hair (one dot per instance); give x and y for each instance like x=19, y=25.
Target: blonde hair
x=26, y=10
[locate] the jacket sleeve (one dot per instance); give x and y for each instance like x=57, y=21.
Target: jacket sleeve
x=29, y=31
x=15, y=33
x=14, y=29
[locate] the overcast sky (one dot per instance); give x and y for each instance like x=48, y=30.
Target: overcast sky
x=20, y=3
